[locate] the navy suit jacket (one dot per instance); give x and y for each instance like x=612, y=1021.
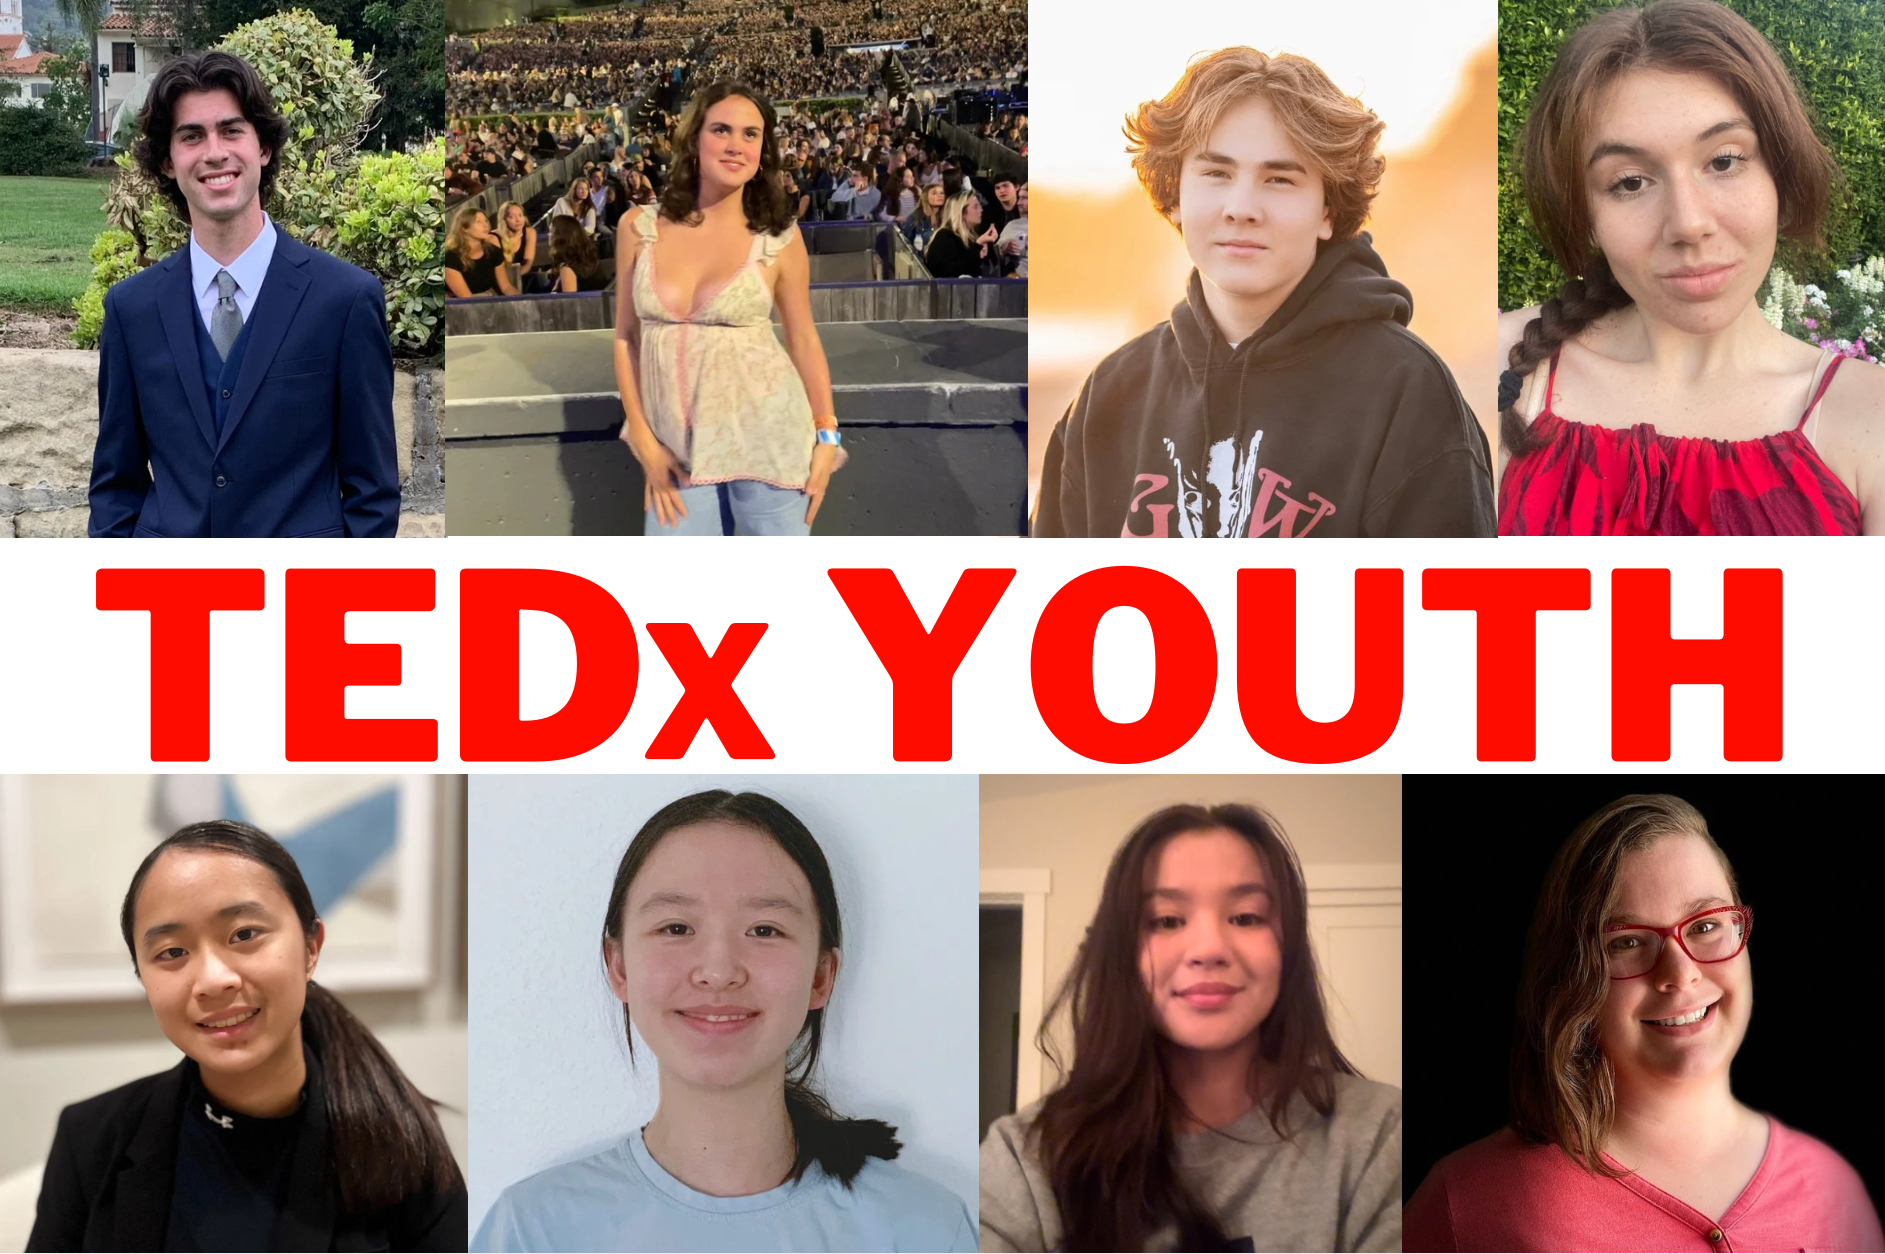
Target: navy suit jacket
x=307, y=447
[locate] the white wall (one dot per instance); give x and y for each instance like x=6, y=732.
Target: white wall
x=52, y=1056
x=1347, y=826
x=551, y=1078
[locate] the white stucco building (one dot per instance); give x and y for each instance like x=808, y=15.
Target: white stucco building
x=132, y=52
x=19, y=64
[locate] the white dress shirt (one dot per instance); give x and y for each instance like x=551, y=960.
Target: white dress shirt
x=248, y=271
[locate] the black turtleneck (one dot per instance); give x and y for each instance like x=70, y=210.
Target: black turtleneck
x=232, y=1174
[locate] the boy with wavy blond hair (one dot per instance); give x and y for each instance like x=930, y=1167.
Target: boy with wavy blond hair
x=1286, y=396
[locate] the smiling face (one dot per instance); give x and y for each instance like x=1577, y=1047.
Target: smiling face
x=732, y=137
x=224, y=963
x=719, y=961
x=1660, y=886
x=514, y=220
x=1682, y=205
x=215, y=156
x=1212, y=953
x=1250, y=206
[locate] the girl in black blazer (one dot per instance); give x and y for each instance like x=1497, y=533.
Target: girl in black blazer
x=286, y=1126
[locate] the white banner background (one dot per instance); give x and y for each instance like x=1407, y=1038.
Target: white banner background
x=77, y=685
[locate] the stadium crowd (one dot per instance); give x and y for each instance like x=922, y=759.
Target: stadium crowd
x=869, y=159
x=594, y=61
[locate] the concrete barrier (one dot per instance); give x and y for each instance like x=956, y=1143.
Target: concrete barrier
x=934, y=415
x=889, y=301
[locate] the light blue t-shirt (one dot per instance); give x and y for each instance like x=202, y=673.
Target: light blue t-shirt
x=622, y=1199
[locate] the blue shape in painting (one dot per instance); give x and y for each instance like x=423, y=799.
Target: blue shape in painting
x=232, y=802
x=337, y=850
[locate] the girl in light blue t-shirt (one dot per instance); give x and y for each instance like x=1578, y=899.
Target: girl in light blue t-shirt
x=722, y=942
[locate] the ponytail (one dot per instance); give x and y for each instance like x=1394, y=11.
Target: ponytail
x=838, y=1145
x=387, y=1141
x=820, y=1135
x=1580, y=303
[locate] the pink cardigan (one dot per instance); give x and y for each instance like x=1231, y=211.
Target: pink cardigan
x=1506, y=1193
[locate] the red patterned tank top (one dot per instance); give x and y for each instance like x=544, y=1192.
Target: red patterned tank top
x=1583, y=480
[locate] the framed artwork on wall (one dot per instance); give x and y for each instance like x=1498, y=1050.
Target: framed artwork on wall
x=69, y=845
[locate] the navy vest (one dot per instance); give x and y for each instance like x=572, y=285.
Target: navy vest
x=219, y=376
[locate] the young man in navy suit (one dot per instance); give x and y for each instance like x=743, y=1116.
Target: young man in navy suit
x=245, y=382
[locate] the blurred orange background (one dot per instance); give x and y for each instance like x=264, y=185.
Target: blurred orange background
x=1104, y=266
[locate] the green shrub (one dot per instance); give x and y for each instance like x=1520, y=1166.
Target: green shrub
x=380, y=211
x=114, y=256
x=1835, y=52
x=322, y=92
x=384, y=213
x=39, y=141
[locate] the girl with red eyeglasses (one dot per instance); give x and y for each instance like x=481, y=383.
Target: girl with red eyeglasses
x=1625, y=1133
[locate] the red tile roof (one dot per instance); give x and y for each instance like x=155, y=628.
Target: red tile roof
x=10, y=46
x=157, y=24
x=26, y=65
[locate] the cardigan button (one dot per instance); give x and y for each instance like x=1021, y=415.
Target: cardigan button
x=1714, y=1236
x=223, y=483
x=225, y=393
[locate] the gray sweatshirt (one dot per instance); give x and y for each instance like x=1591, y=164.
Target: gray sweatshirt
x=1335, y=1186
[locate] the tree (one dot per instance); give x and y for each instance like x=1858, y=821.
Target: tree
x=88, y=16
x=70, y=70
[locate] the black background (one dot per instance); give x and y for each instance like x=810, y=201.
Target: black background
x=1807, y=857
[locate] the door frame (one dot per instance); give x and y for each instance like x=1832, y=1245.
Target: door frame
x=1027, y=887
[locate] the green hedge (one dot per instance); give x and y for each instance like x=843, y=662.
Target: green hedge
x=1836, y=53
x=39, y=141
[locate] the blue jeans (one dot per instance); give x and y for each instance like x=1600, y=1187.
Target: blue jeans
x=741, y=507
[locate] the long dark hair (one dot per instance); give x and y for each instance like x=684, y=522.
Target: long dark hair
x=1563, y=1088
x=571, y=246
x=205, y=71
x=1696, y=36
x=387, y=1141
x=768, y=212
x=839, y=1146
x=1107, y=1135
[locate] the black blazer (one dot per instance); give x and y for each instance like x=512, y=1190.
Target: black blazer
x=114, y=1161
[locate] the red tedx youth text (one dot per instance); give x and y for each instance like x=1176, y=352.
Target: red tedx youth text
x=921, y=661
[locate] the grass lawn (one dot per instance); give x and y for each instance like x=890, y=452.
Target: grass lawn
x=46, y=232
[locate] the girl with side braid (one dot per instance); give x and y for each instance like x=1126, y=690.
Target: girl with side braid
x=1666, y=153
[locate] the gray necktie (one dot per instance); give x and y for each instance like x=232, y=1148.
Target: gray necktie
x=225, y=321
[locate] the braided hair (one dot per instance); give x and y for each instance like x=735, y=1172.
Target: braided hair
x=1578, y=304
x=1684, y=36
